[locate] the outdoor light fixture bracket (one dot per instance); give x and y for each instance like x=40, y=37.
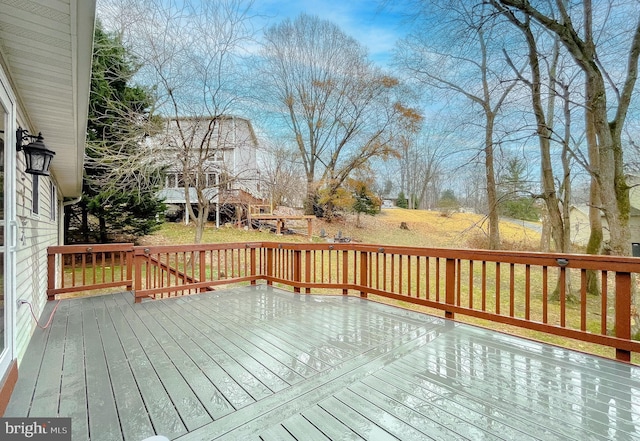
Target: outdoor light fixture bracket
x=36, y=154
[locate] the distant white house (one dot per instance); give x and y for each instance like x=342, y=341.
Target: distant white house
x=45, y=72
x=579, y=217
x=216, y=156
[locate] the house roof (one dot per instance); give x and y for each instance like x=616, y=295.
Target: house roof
x=47, y=51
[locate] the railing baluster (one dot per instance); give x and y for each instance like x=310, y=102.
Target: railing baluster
x=498, y=288
x=512, y=290
x=470, y=284
x=527, y=292
x=545, y=295
x=484, y=285
x=563, y=296
x=603, y=303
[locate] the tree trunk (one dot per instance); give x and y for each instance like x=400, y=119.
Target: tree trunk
x=545, y=235
x=492, y=198
x=310, y=199
x=85, y=223
x=594, y=245
x=103, y=230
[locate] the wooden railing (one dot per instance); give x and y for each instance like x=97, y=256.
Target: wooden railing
x=75, y=268
x=543, y=292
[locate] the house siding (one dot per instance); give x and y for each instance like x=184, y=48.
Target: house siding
x=36, y=232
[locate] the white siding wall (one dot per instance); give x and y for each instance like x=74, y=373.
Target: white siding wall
x=36, y=232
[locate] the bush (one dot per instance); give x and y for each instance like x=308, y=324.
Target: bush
x=521, y=208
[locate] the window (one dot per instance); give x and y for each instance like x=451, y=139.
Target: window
x=172, y=180
x=54, y=200
x=35, y=194
x=211, y=180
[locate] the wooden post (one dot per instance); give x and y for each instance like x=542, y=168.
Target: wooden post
x=450, y=287
x=297, y=270
x=623, y=313
x=138, y=275
x=307, y=270
x=129, y=263
x=269, y=268
x=252, y=260
x=51, y=274
x=203, y=268
x=345, y=271
x=364, y=271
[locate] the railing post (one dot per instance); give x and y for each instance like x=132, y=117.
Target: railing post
x=345, y=270
x=51, y=275
x=307, y=270
x=129, y=263
x=202, y=263
x=364, y=272
x=623, y=313
x=252, y=263
x=138, y=259
x=269, y=268
x=450, y=280
x=297, y=270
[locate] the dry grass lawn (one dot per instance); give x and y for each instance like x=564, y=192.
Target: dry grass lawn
x=426, y=229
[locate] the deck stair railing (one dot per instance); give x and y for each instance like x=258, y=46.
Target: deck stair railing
x=584, y=297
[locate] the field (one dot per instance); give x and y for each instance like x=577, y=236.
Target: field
x=425, y=229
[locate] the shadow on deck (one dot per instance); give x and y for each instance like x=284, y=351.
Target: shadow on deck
x=261, y=363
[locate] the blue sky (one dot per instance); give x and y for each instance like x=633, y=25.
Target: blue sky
x=376, y=25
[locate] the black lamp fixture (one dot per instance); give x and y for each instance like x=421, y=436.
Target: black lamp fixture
x=36, y=154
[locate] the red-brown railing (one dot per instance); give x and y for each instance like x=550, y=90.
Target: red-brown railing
x=166, y=271
x=75, y=268
x=542, y=292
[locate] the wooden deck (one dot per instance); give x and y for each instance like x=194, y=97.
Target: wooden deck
x=260, y=363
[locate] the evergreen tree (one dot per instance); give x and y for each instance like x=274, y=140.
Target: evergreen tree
x=120, y=182
x=364, y=201
x=402, y=201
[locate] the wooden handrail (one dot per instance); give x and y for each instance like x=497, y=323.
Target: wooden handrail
x=508, y=287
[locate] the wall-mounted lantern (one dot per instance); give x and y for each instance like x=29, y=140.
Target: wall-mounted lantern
x=36, y=154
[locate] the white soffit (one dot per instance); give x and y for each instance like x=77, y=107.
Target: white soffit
x=47, y=47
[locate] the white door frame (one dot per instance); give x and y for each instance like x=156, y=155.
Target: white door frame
x=8, y=103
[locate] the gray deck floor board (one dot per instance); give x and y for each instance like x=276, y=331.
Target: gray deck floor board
x=269, y=371
x=255, y=363
x=48, y=385
x=192, y=411
x=158, y=404
x=73, y=390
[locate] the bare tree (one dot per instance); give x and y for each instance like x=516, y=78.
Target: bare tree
x=191, y=53
x=557, y=207
x=422, y=160
x=282, y=176
x=340, y=110
x=608, y=95
x=464, y=67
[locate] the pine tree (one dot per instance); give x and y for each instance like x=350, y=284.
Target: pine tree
x=119, y=186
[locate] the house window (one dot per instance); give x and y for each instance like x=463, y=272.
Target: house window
x=172, y=180
x=35, y=194
x=211, y=180
x=54, y=200
x=218, y=156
